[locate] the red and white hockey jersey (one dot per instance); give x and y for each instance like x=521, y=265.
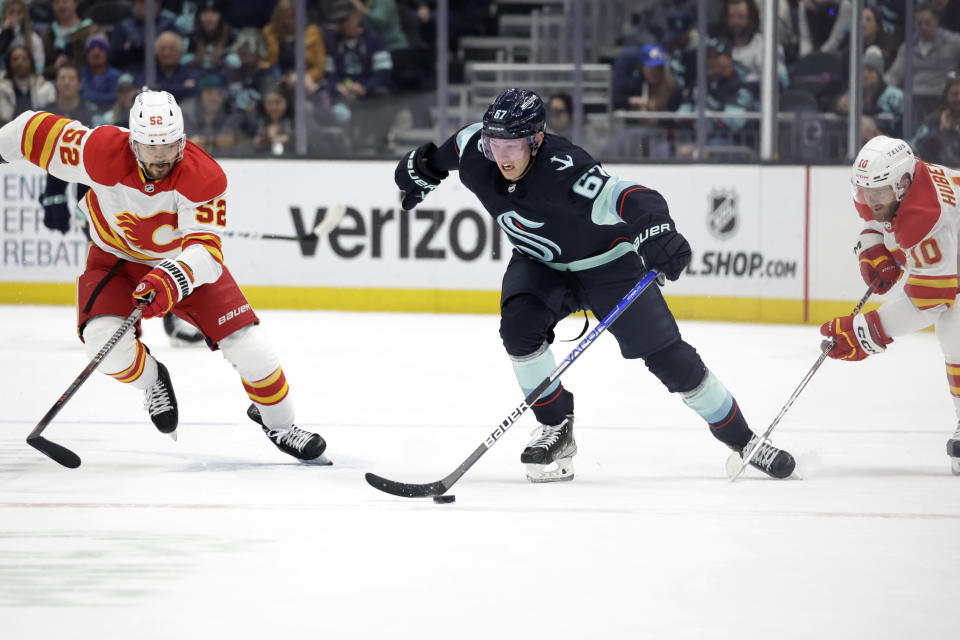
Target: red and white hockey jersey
x=130, y=216
x=923, y=238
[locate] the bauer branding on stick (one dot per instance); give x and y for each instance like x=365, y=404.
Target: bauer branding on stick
x=445, y=499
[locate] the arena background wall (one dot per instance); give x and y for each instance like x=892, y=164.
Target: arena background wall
x=771, y=243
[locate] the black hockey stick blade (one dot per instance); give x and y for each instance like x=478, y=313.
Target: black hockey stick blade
x=405, y=490
x=57, y=453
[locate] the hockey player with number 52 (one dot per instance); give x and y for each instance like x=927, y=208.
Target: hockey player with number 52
x=157, y=205
x=912, y=224
x=582, y=238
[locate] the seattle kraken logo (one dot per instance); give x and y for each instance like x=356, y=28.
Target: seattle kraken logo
x=515, y=226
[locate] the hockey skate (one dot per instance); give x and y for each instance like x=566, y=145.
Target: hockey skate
x=953, y=450
x=774, y=462
x=549, y=456
x=161, y=403
x=302, y=445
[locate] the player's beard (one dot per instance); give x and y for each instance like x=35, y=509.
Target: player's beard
x=158, y=171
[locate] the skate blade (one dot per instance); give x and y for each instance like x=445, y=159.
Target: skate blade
x=173, y=435
x=319, y=461
x=559, y=471
x=955, y=466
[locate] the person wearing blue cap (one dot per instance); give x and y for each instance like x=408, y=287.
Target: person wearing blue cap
x=642, y=80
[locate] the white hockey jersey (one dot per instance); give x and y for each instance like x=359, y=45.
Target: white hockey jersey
x=130, y=216
x=923, y=238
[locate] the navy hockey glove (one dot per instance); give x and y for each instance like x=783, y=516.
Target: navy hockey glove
x=56, y=215
x=415, y=178
x=664, y=249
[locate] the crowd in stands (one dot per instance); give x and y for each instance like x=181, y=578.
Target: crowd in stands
x=656, y=70
x=230, y=64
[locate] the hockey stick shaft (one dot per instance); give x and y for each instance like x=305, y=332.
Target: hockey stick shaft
x=441, y=486
x=825, y=350
x=58, y=453
x=329, y=222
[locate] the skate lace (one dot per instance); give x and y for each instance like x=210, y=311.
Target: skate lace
x=548, y=435
x=292, y=437
x=764, y=455
x=157, y=400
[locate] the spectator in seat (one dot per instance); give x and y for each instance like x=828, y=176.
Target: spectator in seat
x=878, y=96
x=66, y=37
x=69, y=102
x=274, y=131
x=17, y=31
x=935, y=51
x=727, y=91
x=642, y=80
x=211, y=41
x=247, y=83
x=180, y=80
x=127, y=38
x=359, y=69
x=119, y=114
x=209, y=119
x=98, y=78
x=742, y=28
x=560, y=115
x=21, y=88
x=280, y=37
x=938, y=139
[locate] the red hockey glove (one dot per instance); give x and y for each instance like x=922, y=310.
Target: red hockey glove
x=856, y=336
x=164, y=286
x=877, y=265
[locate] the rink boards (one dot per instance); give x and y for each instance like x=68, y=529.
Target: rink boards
x=771, y=243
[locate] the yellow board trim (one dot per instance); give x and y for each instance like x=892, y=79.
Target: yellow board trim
x=461, y=301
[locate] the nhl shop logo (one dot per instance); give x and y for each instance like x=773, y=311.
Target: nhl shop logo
x=722, y=215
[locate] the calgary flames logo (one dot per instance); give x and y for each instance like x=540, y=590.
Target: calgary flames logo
x=141, y=232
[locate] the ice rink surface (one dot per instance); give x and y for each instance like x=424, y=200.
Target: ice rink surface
x=220, y=535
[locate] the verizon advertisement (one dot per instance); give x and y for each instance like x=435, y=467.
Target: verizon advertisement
x=746, y=225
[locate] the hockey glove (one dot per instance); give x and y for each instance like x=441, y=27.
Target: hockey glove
x=856, y=336
x=663, y=248
x=877, y=265
x=56, y=214
x=415, y=178
x=164, y=286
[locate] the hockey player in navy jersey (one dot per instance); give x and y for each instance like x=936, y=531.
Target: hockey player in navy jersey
x=582, y=238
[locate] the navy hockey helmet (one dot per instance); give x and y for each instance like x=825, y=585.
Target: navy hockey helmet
x=514, y=114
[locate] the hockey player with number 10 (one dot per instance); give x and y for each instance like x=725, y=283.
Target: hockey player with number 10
x=157, y=206
x=911, y=229
x=582, y=238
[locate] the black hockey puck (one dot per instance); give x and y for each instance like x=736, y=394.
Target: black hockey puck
x=445, y=499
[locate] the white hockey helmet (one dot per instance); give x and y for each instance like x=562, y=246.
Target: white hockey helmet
x=880, y=166
x=156, y=121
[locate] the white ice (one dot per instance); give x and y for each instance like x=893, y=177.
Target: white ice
x=220, y=535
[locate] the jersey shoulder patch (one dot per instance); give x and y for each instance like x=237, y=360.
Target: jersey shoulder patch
x=107, y=156
x=199, y=177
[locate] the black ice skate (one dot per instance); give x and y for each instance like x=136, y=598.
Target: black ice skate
x=161, y=403
x=953, y=450
x=298, y=443
x=774, y=462
x=549, y=456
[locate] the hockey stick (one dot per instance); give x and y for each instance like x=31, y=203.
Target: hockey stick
x=325, y=226
x=439, y=487
x=735, y=465
x=54, y=451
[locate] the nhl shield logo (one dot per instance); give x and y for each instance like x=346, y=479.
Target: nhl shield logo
x=148, y=187
x=722, y=214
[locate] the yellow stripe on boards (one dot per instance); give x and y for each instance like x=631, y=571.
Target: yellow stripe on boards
x=463, y=301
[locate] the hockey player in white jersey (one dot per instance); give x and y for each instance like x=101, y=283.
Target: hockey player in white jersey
x=157, y=206
x=911, y=230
